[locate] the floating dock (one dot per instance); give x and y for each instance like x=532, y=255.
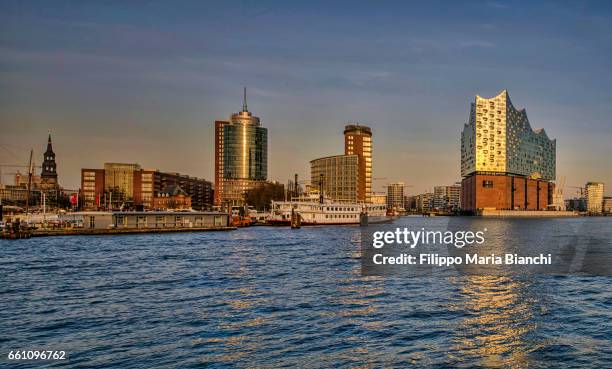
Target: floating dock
x=111, y=231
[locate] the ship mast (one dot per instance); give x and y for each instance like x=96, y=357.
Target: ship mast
x=30, y=169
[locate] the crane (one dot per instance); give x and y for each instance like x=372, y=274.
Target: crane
x=581, y=190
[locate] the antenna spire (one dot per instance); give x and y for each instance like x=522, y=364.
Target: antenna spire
x=244, y=101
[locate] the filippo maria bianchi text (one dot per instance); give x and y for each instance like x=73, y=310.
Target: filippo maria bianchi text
x=475, y=259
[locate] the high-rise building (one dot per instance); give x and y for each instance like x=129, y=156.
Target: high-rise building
x=358, y=141
x=395, y=196
x=241, y=156
x=337, y=176
x=505, y=164
x=48, y=176
x=594, y=197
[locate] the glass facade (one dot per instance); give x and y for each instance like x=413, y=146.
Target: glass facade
x=241, y=156
x=499, y=138
x=119, y=178
x=245, y=152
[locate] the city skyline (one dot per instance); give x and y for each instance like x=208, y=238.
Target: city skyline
x=132, y=87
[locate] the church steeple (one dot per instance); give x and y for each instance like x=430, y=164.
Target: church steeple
x=49, y=146
x=48, y=175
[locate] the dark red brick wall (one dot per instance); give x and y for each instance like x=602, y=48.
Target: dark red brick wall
x=475, y=196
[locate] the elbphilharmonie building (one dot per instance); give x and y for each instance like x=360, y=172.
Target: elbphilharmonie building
x=505, y=163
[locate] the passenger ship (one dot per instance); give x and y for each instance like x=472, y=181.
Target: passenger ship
x=315, y=210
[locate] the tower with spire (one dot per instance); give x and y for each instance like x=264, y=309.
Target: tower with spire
x=48, y=176
x=241, y=155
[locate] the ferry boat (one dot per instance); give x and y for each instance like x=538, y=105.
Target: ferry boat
x=316, y=210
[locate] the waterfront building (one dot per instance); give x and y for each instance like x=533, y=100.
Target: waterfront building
x=337, y=176
x=447, y=198
x=410, y=203
x=173, y=197
x=92, y=188
x=395, y=196
x=48, y=176
x=505, y=164
x=594, y=193
x=378, y=198
x=119, y=180
x=241, y=156
x=576, y=204
x=142, y=185
x=424, y=202
x=145, y=220
x=358, y=141
x=607, y=205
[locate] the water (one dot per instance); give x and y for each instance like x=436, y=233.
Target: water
x=268, y=297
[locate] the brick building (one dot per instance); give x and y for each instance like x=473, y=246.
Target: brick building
x=139, y=187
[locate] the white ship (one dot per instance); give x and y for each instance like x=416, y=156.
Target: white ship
x=314, y=210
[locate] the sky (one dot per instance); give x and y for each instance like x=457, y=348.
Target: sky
x=143, y=81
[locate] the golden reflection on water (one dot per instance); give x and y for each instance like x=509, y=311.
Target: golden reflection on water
x=498, y=318
x=241, y=303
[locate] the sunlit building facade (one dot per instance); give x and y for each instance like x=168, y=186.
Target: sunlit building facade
x=241, y=156
x=447, y=198
x=505, y=164
x=395, y=196
x=594, y=197
x=132, y=186
x=119, y=179
x=337, y=176
x=358, y=141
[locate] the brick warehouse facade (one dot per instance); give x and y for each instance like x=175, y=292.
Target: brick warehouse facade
x=505, y=192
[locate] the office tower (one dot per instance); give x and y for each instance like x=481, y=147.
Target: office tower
x=358, y=141
x=338, y=176
x=594, y=197
x=395, y=196
x=241, y=156
x=505, y=164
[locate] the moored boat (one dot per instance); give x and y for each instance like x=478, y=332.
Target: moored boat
x=317, y=210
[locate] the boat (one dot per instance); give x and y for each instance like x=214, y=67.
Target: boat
x=318, y=210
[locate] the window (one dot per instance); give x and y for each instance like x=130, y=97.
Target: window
x=487, y=184
x=92, y=222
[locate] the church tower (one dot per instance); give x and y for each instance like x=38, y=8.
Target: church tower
x=48, y=177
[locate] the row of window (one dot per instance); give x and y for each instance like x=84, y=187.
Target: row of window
x=340, y=216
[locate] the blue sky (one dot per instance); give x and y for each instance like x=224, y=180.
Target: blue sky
x=143, y=81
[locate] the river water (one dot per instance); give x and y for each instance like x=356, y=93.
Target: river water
x=269, y=297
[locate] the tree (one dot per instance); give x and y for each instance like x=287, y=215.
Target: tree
x=261, y=197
